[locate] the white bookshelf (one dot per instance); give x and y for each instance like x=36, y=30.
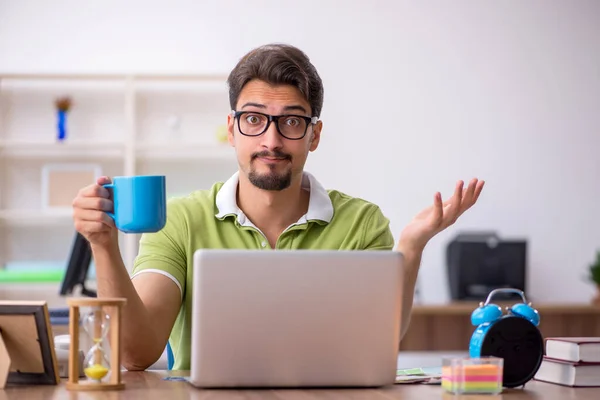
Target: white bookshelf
x=60, y=151
x=24, y=217
x=191, y=152
x=129, y=124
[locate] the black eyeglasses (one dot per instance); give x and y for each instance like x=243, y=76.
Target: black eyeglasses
x=292, y=127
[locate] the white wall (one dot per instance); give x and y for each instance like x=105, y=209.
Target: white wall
x=418, y=95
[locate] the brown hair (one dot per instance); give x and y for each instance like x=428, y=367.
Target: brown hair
x=278, y=64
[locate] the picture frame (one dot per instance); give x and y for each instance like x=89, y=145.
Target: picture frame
x=62, y=181
x=27, y=354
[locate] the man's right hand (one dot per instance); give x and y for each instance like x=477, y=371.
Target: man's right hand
x=89, y=214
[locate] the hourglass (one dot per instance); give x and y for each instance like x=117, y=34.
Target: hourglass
x=102, y=326
x=96, y=365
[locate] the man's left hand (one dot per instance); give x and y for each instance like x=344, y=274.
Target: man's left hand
x=440, y=215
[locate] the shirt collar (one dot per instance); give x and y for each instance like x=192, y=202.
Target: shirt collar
x=319, y=205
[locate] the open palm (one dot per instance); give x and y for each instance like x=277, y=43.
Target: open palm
x=440, y=215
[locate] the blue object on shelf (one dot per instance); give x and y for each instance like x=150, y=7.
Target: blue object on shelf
x=62, y=122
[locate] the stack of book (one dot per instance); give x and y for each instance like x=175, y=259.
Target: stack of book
x=571, y=361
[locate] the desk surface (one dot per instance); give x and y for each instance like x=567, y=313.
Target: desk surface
x=151, y=385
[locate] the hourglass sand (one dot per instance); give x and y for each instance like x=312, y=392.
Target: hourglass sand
x=102, y=325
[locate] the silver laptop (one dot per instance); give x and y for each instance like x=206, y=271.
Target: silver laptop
x=295, y=318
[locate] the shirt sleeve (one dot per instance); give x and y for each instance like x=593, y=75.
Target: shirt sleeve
x=164, y=252
x=377, y=232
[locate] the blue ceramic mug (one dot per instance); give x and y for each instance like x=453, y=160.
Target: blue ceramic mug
x=140, y=203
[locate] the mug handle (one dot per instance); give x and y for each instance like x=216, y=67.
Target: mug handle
x=109, y=186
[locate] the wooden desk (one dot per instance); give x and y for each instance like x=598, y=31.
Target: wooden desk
x=448, y=327
x=151, y=385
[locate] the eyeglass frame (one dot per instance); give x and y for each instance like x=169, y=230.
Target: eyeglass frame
x=270, y=118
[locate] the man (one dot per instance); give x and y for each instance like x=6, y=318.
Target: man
x=276, y=96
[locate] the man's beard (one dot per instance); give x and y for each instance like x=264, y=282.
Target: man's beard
x=271, y=180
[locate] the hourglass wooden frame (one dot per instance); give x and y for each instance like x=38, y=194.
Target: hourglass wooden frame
x=113, y=307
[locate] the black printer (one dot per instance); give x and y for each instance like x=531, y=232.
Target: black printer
x=479, y=262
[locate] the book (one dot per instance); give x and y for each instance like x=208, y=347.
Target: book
x=568, y=373
x=574, y=349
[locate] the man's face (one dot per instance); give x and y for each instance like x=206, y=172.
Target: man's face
x=270, y=161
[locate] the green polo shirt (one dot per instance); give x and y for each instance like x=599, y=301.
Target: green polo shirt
x=211, y=219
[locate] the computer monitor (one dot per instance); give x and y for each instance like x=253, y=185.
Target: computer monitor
x=78, y=267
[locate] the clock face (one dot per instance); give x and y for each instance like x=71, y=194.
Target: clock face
x=520, y=344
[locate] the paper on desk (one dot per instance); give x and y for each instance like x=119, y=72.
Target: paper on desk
x=419, y=375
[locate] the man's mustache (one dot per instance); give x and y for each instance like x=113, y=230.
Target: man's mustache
x=272, y=154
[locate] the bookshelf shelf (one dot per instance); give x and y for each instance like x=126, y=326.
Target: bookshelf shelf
x=33, y=218
x=58, y=150
x=190, y=152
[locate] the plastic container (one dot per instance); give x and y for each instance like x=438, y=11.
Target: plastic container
x=472, y=375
